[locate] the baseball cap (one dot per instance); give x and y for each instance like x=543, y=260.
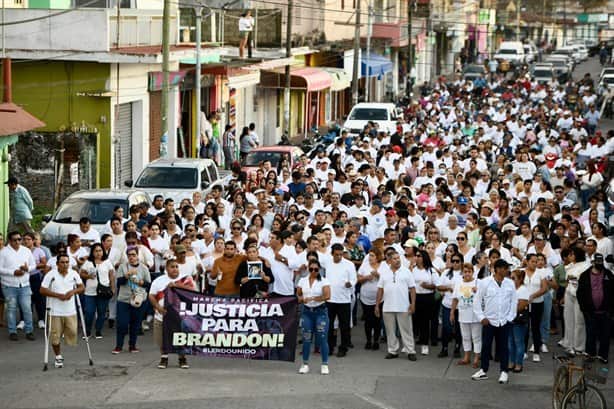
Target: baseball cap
x=339, y=223
x=462, y=200
x=509, y=227
x=180, y=248
x=410, y=243
x=279, y=192
x=377, y=203
x=501, y=263
x=391, y=212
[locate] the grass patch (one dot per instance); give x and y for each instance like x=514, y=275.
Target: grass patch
x=37, y=216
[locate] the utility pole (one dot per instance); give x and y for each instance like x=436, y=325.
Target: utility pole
x=166, y=34
x=288, y=77
x=564, y=21
x=356, y=66
x=198, y=10
x=517, y=20
x=369, y=31
x=410, y=50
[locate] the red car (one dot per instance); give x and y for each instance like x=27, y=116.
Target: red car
x=271, y=153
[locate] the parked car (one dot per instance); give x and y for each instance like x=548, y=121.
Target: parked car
x=542, y=73
x=177, y=178
x=561, y=70
x=530, y=52
x=473, y=71
x=510, y=53
x=605, y=71
x=556, y=59
x=572, y=51
x=271, y=153
x=567, y=53
x=607, y=82
x=383, y=113
x=98, y=205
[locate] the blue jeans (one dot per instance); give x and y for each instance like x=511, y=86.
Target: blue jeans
x=447, y=329
x=94, y=306
x=516, y=343
x=315, y=320
x=21, y=296
x=128, y=322
x=544, y=328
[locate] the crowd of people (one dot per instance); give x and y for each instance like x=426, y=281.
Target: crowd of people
x=481, y=219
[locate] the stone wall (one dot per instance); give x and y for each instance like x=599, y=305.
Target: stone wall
x=34, y=160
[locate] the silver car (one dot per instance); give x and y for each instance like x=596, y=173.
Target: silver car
x=97, y=205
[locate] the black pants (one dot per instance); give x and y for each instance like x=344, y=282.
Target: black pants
x=423, y=318
x=597, y=331
x=37, y=299
x=373, y=327
x=536, y=311
x=341, y=311
x=500, y=335
x=435, y=322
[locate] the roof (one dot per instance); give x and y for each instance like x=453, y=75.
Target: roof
x=181, y=162
x=275, y=148
x=374, y=105
x=149, y=49
x=15, y=120
x=104, y=194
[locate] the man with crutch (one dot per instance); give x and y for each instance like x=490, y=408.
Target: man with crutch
x=60, y=286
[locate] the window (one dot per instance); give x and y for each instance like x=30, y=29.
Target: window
x=369, y=114
x=98, y=210
x=255, y=158
x=212, y=172
x=168, y=178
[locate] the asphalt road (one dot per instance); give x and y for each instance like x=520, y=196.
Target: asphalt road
x=362, y=380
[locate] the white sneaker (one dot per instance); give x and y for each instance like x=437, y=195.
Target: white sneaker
x=324, y=370
x=59, y=362
x=536, y=358
x=480, y=375
x=41, y=324
x=531, y=348
x=304, y=369
x=544, y=349
x=525, y=356
x=21, y=325
x=503, y=378
x=145, y=326
x=425, y=350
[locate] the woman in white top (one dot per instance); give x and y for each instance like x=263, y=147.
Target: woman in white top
x=537, y=286
x=470, y=326
x=257, y=223
x=437, y=261
x=367, y=277
x=96, y=270
x=446, y=285
x=463, y=246
x=159, y=248
x=313, y=291
x=426, y=282
x=516, y=344
x=218, y=251
x=575, y=334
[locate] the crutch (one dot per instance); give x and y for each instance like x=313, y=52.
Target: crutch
x=47, y=328
x=87, y=340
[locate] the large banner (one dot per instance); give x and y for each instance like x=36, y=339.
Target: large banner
x=197, y=324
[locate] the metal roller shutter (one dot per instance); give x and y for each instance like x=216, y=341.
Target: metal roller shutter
x=124, y=130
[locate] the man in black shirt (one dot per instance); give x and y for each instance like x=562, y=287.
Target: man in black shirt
x=348, y=198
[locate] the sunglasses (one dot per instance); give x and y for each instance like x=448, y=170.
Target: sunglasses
x=460, y=239
x=314, y=270
x=456, y=261
x=17, y=239
x=236, y=228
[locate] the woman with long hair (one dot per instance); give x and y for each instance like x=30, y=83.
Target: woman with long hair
x=446, y=284
x=94, y=272
x=368, y=276
x=246, y=143
x=520, y=324
x=426, y=283
x=313, y=291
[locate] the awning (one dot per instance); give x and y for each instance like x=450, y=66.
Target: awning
x=341, y=79
x=375, y=65
x=15, y=120
x=244, y=80
x=305, y=78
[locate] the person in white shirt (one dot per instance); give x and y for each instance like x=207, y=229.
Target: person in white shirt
x=86, y=233
x=16, y=263
x=60, y=286
x=396, y=288
x=470, y=327
x=284, y=261
x=368, y=277
x=341, y=275
x=313, y=292
x=495, y=306
x=426, y=278
x=445, y=284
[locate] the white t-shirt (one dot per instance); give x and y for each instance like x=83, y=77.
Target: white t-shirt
x=56, y=282
x=160, y=245
x=533, y=285
x=422, y=275
x=444, y=280
x=314, y=290
x=338, y=274
x=102, y=271
x=465, y=294
x=368, y=289
x=159, y=285
x=396, y=287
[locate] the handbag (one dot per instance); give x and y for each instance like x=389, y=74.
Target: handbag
x=103, y=291
x=136, y=298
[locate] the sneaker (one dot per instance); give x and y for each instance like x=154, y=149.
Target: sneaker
x=424, y=350
x=30, y=336
x=183, y=363
x=341, y=353
x=443, y=353
x=532, y=348
x=134, y=350
x=503, y=378
x=562, y=344
x=145, y=326
x=544, y=349
x=536, y=358
x=41, y=324
x=324, y=369
x=98, y=335
x=412, y=357
x=116, y=351
x=21, y=325
x=304, y=369
x=163, y=362
x=13, y=336
x=59, y=358
x=111, y=323
x=480, y=375
x=59, y=362
x=525, y=356
x=391, y=356
x=375, y=346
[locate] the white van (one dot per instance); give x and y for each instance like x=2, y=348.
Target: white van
x=512, y=52
x=383, y=114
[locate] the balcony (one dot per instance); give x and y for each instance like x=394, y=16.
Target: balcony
x=395, y=32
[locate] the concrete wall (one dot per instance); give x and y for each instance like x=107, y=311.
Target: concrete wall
x=71, y=31
x=59, y=93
